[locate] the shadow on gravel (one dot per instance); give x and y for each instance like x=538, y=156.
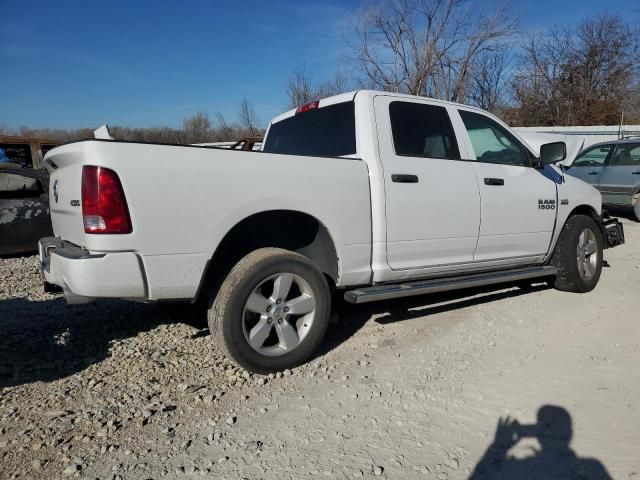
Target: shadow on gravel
x=447, y=301
x=47, y=340
x=554, y=460
x=8, y=256
x=351, y=318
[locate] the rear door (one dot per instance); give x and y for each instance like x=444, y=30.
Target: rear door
x=432, y=197
x=589, y=164
x=518, y=202
x=620, y=179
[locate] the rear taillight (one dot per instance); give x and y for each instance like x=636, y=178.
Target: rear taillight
x=104, y=208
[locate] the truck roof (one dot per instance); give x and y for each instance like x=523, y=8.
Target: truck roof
x=350, y=96
x=622, y=140
x=370, y=94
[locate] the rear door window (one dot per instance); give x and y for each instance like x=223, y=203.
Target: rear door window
x=421, y=130
x=626, y=155
x=323, y=132
x=19, y=153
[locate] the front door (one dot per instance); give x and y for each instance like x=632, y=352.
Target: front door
x=432, y=197
x=518, y=202
x=589, y=164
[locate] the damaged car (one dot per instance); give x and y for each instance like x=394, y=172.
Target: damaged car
x=25, y=151
x=614, y=169
x=24, y=208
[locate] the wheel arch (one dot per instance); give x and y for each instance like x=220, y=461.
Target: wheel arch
x=583, y=209
x=271, y=228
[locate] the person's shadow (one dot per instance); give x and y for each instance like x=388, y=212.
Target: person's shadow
x=555, y=460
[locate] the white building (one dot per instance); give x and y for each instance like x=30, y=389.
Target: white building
x=577, y=138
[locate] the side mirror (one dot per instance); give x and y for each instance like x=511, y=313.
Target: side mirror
x=552, y=153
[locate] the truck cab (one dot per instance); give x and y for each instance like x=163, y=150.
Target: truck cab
x=453, y=188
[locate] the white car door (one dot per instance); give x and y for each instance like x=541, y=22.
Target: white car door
x=518, y=202
x=432, y=197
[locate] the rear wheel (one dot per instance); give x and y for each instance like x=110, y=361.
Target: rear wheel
x=272, y=310
x=578, y=255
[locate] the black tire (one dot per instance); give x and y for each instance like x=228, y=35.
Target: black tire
x=565, y=257
x=227, y=315
x=636, y=207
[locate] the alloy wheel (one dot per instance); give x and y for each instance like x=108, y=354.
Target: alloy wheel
x=587, y=254
x=278, y=314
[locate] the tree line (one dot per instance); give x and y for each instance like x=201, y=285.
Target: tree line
x=198, y=128
x=584, y=74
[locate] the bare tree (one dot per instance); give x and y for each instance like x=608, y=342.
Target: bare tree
x=197, y=128
x=585, y=75
x=301, y=90
x=426, y=47
x=338, y=84
x=487, y=82
x=247, y=117
x=482, y=37
x=224, y=131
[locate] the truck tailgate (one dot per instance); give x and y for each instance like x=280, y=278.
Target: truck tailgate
x=65, y=166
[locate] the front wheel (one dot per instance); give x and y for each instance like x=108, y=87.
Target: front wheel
x=272, y=311
x=636, y=206
x=578, y=255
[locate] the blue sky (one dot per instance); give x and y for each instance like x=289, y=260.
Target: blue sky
x=71, y=64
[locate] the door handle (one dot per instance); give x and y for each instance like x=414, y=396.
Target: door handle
x=637, y=172
x=404, y=178
x=494, y=181
x=594, y=173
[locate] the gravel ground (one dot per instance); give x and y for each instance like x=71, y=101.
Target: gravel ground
x=402, y=389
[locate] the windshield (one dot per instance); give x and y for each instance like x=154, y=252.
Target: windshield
x=325, y=132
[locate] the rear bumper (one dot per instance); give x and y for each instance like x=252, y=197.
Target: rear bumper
x=84, y=276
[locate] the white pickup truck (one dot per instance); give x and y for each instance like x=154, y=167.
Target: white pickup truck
x=372, y=194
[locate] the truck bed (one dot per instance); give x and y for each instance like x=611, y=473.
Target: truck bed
x=184, y=199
